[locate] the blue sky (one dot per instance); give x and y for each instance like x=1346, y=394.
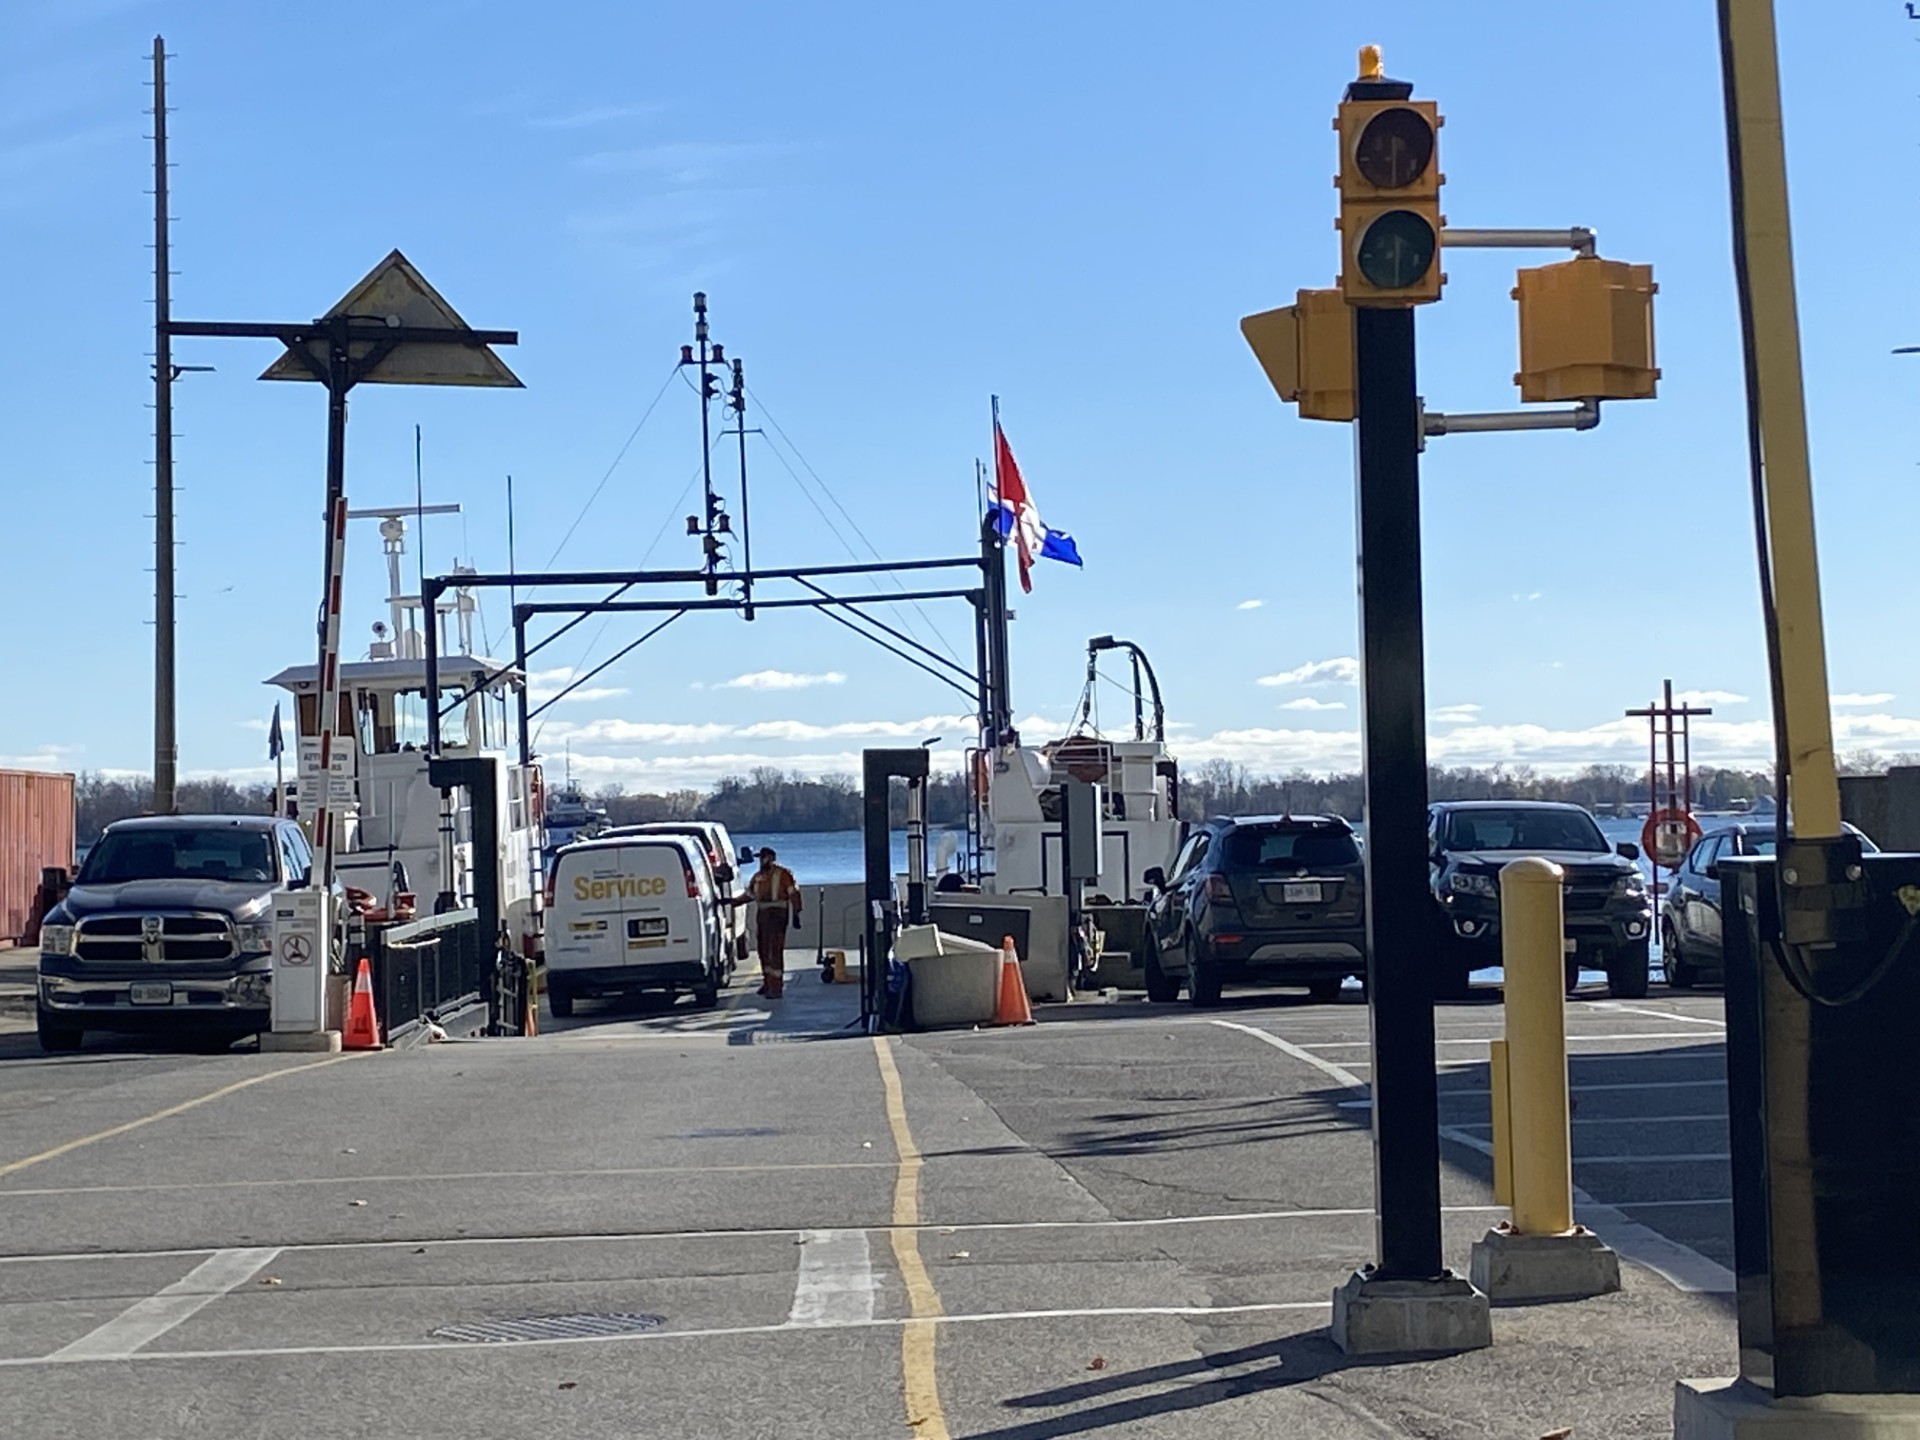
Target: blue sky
x=898, y=211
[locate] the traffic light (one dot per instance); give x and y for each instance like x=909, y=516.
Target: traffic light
x=1389, y=181
x=1306, y=348
x=1586, y=331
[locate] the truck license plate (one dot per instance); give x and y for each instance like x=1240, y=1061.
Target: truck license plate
x=1301, y=892
x=150, y=992
x=646, y=925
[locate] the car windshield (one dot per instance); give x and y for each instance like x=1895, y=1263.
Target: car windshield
x=1288, y=847
x=1520, y=829
x=212, y=853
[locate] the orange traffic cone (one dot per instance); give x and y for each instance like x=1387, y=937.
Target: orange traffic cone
x=1013, y=1008
x=363, y=1026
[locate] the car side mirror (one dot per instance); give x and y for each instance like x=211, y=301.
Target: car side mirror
x=1712, y=872
x=1156, y=877
x=723, y=872
x=302, y=881
x=746, y=856
x=1627, y=850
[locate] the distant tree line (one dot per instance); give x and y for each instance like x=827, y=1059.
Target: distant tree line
x=769, y=800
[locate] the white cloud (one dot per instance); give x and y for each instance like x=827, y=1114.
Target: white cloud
x=1249, y=604
x=781, y=680
x=1464, y=714
x=1307, y=702
x=612, y=731
x=548, y=685
x=798, y=730
x=1727, y=697
x=1850, y=700
x=1343, y=671
x=596, y=115
x=1527, y=598
x=47, y=757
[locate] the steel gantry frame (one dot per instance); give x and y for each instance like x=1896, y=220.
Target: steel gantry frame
x=986, y=684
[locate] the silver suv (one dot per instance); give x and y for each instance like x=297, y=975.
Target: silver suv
x=168, y=928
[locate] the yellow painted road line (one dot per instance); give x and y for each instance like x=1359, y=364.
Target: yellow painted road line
x=924, y=1415
x=14, y=1166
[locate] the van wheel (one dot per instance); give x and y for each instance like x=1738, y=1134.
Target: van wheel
x=559, y=1001
x=1324, y=992
x=55, y=1038
x=705, y=997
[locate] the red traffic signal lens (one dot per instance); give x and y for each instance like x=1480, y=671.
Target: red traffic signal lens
x=1394, y=149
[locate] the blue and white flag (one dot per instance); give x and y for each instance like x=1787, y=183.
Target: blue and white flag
x=1054, y=544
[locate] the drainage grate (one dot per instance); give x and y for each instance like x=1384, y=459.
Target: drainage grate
x=550, y=1327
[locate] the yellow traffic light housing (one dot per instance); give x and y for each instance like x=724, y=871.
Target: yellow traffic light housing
x=1389, y=180
x=1586, y=331
x=1307, y=351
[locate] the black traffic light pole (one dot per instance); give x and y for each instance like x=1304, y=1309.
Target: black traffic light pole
x=1400, y=968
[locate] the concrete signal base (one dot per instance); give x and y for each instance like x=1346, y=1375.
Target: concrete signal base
x=1410, y=1317
x=1508, y=1267
x=1736, y=1410
x=307, y=1042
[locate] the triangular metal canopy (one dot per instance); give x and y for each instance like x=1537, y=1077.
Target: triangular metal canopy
x=396, y=294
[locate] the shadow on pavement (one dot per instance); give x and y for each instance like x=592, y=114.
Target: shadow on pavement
x=1289, y=1360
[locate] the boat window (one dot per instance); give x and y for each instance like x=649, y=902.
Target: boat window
x=410, y=720
x=453, y=715
x=516, y=799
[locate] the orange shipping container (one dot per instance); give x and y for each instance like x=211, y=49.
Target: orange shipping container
x=36, y=831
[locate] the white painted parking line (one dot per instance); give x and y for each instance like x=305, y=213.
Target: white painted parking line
x=1661, y=1014
x=1683, y=1268
x=454, y=1347
x=1299, y=1052
x=1450, y=1091
x=1625, y=1120
x=147, y=1320
x=1486, y=1039
x=835, y=1285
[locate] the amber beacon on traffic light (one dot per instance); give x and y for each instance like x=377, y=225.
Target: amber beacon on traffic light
x=1390, y=221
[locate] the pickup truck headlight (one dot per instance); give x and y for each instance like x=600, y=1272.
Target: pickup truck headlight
x=1634, y=884
x=253, y=938
x=56, y=939
x=1462, y=883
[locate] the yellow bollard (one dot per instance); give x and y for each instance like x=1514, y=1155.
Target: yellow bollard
x=1531, y=929
x=1502, y=1124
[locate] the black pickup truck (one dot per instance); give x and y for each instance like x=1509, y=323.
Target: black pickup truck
x=168, y=929
x=1609, y=917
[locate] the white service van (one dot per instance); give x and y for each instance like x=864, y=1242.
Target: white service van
x=635, y=913
x=737, y=920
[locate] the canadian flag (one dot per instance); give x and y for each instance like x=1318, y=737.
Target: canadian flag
x=1029, y=534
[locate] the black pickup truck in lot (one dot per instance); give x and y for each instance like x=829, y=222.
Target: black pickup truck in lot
x=1609, y=916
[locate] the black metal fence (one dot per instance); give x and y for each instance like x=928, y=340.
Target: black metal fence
x=426, y=970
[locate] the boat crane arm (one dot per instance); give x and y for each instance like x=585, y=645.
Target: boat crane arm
x=1140, y=664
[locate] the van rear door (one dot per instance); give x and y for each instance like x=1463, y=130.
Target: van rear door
x=660, y=921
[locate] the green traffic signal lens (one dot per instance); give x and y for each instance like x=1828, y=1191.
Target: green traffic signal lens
x=1394, y=149
x=1396, y=251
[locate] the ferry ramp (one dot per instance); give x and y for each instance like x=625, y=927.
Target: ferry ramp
x=1124, y=1220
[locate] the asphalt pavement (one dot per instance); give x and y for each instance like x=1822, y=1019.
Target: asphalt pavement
x=1127, y=1220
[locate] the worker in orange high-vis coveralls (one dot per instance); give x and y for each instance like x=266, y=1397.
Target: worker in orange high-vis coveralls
x=775, y=897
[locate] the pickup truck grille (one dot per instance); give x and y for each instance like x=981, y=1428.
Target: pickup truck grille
x=1588, y=897
x=183, y=939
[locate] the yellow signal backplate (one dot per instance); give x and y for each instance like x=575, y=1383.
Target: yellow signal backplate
x=1586, y=331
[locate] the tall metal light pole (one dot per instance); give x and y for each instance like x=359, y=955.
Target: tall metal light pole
x=166, y=749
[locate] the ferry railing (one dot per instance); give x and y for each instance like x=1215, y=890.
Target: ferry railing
x=426, y=971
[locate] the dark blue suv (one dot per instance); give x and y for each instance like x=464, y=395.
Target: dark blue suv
x=1262, y=898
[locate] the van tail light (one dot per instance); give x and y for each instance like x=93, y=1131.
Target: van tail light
x=552, y=871
x=1219, y=890
x=693, y=884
